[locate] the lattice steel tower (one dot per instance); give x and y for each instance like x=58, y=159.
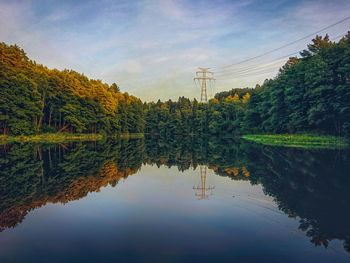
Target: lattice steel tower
x=204, y=78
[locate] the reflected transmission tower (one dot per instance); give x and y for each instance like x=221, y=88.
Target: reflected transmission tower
x=201, y=191
x=203, y=77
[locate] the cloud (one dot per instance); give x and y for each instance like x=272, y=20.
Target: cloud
x=173, y=10
x=12, y=17
x=57, y=16
x=153, y=48
x=133, y=66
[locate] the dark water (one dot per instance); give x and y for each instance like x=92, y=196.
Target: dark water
x=173, y=200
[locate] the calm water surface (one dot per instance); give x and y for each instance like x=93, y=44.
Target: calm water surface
x=180, y=200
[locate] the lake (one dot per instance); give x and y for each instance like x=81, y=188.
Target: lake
x=183, y=199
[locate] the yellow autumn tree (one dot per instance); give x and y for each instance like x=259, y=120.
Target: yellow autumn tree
x=235, y=98
x=246, y=98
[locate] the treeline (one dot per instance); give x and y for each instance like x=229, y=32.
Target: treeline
x=309, y=94
x=36, y=99
x=190, y=117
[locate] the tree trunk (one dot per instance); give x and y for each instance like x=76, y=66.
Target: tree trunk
x=5, y=130
x=36, y=122
x=59, y=119
x=40, y=121
x=50, y=119
x=64, y=127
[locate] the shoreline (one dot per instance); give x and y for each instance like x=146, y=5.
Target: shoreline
x=50, y=138
x=63, y=137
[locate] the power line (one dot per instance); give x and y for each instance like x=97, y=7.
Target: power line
x=253, y=67
x=250, y=74
x=251, y=70
x=288, y=44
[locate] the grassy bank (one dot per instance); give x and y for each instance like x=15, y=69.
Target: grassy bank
x=299, y=140
x=62, y=137
x=50, y=138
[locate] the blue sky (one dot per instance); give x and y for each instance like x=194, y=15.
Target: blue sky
x=152, y=48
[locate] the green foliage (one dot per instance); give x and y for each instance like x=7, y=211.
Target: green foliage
x=36, y=99
x=19, y=102
x=310, y=94
x=299, y=140
x=190, y=117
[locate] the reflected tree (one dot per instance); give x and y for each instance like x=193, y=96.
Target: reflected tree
x=309, y=185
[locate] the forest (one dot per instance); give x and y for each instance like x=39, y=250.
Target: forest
x=35, y=99
x=310, y=94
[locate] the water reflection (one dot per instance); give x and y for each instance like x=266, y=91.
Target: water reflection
x=203, y=191
x=33, y=175
x=309, y=185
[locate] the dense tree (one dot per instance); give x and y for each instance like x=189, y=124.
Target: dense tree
x=35, y=99
x=309, y=94
x=19, y=102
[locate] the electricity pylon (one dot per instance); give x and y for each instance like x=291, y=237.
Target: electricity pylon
x=204, y=78
x=202, y=190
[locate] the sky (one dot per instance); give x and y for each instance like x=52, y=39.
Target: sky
x=152, y=48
